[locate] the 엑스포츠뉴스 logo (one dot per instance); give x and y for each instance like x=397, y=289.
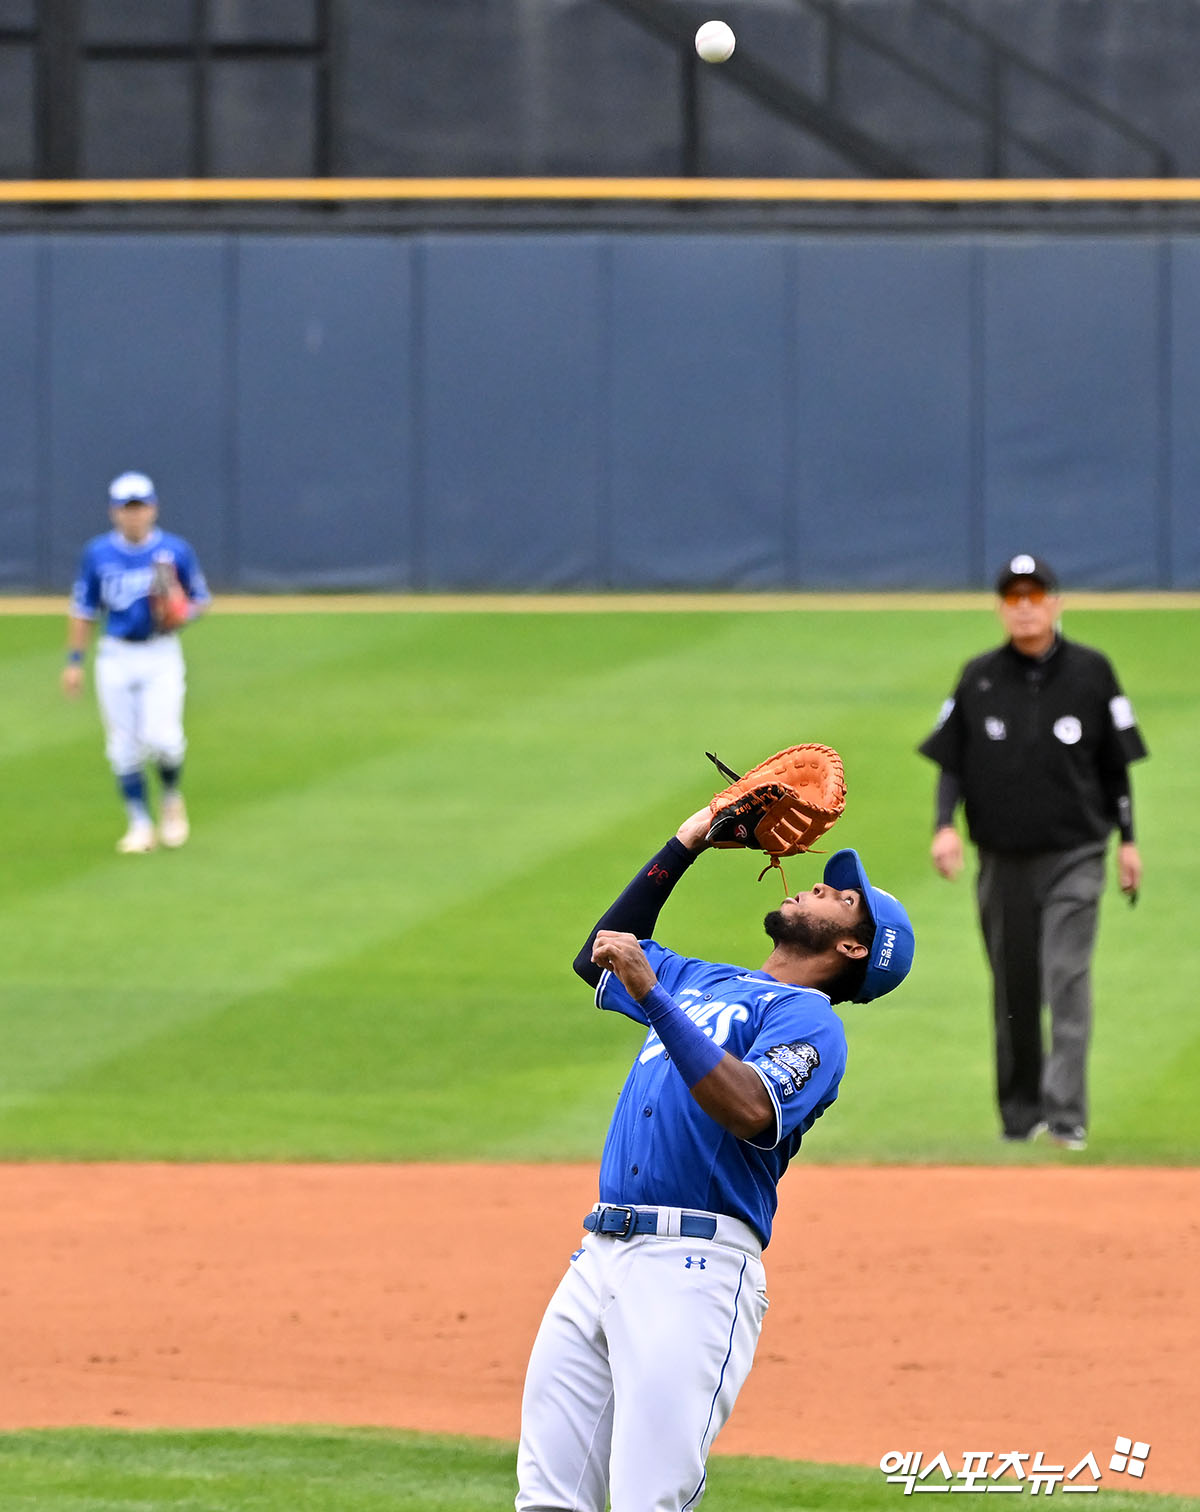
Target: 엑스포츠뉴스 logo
x=1012, y=1470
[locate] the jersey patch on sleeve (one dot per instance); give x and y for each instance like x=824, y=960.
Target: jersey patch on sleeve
x=944, y=713
x=1122, y=712
x=789, y=1066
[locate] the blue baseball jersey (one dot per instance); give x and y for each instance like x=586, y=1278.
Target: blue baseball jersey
x=115, y=578
x=662, y=1148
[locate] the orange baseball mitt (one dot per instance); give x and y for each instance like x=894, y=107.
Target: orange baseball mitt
x=782, y=805
x=169, y=604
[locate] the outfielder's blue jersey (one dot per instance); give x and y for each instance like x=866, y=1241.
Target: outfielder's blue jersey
x=662, y=1148
x=115, y=578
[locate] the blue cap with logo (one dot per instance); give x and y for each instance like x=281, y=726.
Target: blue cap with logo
x=131, y=488
x=891, y=953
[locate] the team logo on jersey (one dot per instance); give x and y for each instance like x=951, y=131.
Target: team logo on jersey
x=994, y=728
x=1068, y=729
x=790, y=1066
x=122, y=588
x=715, y=1018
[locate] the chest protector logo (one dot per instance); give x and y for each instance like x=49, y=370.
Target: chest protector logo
x=1068, y=729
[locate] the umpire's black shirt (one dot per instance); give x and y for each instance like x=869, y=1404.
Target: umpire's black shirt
x=1040, y=747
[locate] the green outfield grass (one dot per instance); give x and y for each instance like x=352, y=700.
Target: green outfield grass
x=340, y=1470
x=404, y=826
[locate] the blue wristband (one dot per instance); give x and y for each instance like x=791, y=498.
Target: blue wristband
x=694, y=1054
x=74, y=658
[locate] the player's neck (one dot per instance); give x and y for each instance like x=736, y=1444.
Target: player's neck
x=797, y=968
x=132, y=544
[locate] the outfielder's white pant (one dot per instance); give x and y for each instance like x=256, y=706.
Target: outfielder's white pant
x=140, y=689
x=635, y=1370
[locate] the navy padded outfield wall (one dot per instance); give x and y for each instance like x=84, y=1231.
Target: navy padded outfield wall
x=22, y=498
x=528, y=412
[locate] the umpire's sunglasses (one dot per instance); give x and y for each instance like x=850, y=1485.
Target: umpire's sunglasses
x=1014, y=596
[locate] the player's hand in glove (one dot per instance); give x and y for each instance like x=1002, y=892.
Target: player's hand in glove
x=780, y=806
x=169, y=604
x=693, y=832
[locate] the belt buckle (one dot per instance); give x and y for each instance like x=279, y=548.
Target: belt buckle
x=617, y=1207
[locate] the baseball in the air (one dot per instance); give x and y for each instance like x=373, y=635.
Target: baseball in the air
x=714, y=41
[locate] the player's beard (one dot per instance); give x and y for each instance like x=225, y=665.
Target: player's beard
x=813, y=936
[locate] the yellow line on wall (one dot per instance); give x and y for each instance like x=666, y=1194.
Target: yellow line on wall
x=616, y=603
x=182, y=190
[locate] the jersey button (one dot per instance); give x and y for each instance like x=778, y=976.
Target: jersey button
x=647, y=1111
x=634, y=1169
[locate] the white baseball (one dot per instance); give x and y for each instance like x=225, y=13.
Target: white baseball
x=715, y=41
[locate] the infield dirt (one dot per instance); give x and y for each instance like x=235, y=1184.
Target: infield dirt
x=937, y=1309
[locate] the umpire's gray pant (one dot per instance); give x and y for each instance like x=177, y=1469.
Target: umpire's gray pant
x=1038, y=913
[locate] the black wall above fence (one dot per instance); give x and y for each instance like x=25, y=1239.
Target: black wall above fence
x=446, y=87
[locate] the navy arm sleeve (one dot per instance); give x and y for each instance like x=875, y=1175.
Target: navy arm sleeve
x=636, y=911
x=949, y=791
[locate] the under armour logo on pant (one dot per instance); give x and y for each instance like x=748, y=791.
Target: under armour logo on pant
x=697, y=1261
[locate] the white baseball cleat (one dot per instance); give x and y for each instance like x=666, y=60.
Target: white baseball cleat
x=173, y=827
x=137, y=839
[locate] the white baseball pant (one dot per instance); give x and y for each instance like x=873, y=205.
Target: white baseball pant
x=635, y=1369
x=140, y=688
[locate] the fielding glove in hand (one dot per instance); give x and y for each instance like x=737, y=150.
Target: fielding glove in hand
x=169, y=605
x=782, y=805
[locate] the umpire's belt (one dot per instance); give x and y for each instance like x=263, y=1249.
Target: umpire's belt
x=620, y=1220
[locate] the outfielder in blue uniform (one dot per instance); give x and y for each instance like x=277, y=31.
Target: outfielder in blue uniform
x=139, y=668
x=652, y=1331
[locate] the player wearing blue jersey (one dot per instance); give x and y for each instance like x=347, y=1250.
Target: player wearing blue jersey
x=139, y=668
x=652, y=1331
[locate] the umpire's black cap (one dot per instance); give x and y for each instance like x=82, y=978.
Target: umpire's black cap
x=1025, y=566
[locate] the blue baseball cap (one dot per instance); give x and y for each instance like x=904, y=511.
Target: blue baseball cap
x=891, y=954
x=131, y=488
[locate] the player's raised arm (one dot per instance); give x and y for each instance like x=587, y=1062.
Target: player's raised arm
x=637, y=909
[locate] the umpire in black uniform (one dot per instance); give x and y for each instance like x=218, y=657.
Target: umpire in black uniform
x=1036, y=743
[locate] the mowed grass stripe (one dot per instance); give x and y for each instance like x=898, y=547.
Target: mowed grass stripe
x=281, y=885
x=364, y=955
x=274, y=888
x=378, y=1470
